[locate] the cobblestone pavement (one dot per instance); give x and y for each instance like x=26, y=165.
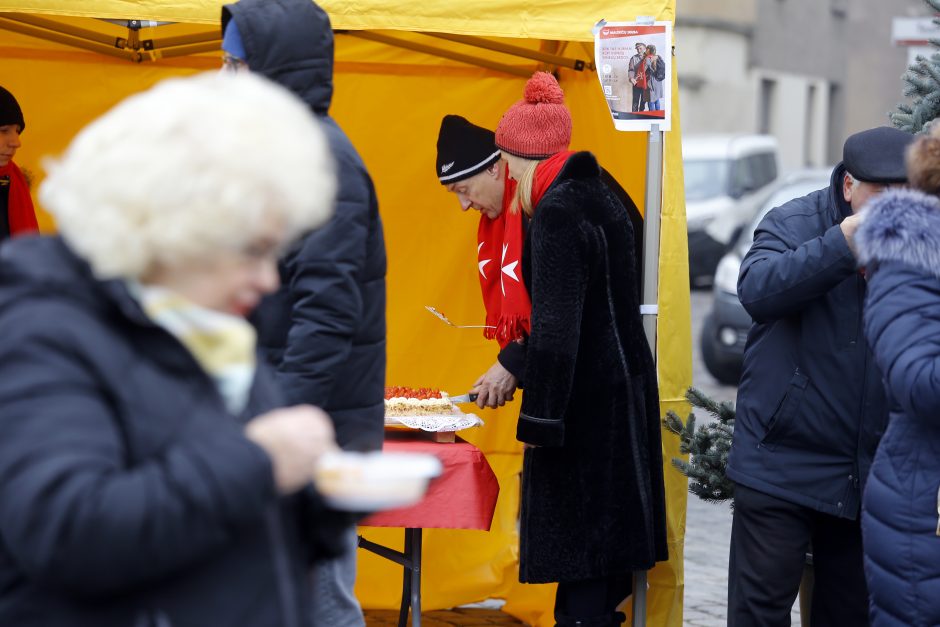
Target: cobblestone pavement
x=708, y=526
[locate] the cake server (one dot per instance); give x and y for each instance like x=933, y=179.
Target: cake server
x=444, y=319
x=464, y=398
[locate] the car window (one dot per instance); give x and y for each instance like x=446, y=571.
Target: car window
x=771, y=160
x=758, y=177
x=743, y=177
x=763, y=167
x=705, y=178
x=782, y=195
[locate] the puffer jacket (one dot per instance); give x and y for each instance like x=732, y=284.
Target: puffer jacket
x=900, y=243
x=324, y=329
x=130, y=495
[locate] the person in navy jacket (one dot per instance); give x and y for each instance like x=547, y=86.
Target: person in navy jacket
x=810, y=407
x=324, y=328
x=899, y=245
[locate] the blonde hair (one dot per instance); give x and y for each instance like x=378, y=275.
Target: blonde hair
x=523, y=197
x=186, y=169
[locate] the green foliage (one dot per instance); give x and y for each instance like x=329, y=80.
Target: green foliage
x=922, y=86
x=708, y=447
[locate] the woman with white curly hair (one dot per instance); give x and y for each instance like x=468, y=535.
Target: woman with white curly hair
x=148, y=477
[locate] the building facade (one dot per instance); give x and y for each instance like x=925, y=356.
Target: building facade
x=809, y=72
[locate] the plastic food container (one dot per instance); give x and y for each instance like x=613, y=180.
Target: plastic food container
x=372, y=482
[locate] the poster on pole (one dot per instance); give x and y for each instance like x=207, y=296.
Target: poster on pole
x=634, y=66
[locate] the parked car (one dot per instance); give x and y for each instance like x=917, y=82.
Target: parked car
x=723, y=176
x=725, y=328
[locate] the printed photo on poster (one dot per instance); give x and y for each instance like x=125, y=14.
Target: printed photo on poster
x=634, y=66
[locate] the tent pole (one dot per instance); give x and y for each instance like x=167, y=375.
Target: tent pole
x=518, y=51
x=104, y=39
x=650, y=308
x=76, y=42
x=157, y=53
x=159, y=43
x=651, y=229
x=440, y=52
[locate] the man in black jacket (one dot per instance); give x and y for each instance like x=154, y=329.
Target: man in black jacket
x=325, y=328
x=811, y=407
x=470, y=166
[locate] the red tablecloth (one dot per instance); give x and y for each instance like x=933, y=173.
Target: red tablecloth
x=463, y=497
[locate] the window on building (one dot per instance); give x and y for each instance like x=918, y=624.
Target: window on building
x=834, y=123
x=810, y=128
x=768, y=89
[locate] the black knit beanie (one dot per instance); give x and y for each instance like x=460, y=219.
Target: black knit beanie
x=10, y=112
x=463, y=149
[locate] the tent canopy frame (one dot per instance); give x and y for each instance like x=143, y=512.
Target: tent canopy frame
x=130, y=46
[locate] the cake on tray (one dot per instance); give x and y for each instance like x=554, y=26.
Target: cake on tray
x=404, y=401
x=425, y=409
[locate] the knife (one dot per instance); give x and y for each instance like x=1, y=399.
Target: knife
x=464, y=398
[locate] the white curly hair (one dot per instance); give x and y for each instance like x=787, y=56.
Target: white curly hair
x=186, y=169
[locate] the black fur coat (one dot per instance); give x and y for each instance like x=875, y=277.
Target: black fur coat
x=593, y=500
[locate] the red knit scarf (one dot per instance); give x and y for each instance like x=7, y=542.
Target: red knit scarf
x=21, y=215
x=499, y=254
x=545, y=174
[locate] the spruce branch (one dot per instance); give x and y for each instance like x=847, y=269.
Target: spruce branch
x=921, y=84
x=708, y=447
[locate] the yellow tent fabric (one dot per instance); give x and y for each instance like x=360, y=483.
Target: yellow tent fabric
x=565, y=20
x=390, y=101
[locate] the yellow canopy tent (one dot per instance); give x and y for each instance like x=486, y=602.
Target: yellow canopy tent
x=400, y=67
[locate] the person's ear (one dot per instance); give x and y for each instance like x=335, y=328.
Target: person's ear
x=847, y=188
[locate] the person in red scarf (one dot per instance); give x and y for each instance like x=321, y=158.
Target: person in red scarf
x=470, y=166
x=593, y=499
x=17, y=215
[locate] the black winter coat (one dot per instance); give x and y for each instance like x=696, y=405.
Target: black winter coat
x=593, y=501
x=900, y=243
x=324, y=329
x=130, y=495
x=811, y=407
x=512, y=356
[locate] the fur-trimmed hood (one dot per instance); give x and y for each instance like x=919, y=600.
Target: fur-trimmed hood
x=902, y=225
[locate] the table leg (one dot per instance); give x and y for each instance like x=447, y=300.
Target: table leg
x=416, y=541
x=410, y=560
x=406, y=583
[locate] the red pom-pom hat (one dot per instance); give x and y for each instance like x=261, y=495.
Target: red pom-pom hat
x=539, y=125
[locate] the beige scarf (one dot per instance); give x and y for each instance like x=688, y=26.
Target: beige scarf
x=223, y=344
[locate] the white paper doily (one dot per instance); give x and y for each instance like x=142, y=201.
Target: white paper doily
x=436, y=423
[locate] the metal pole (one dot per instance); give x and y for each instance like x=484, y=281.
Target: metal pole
x=651, y=228
x=649, y=309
